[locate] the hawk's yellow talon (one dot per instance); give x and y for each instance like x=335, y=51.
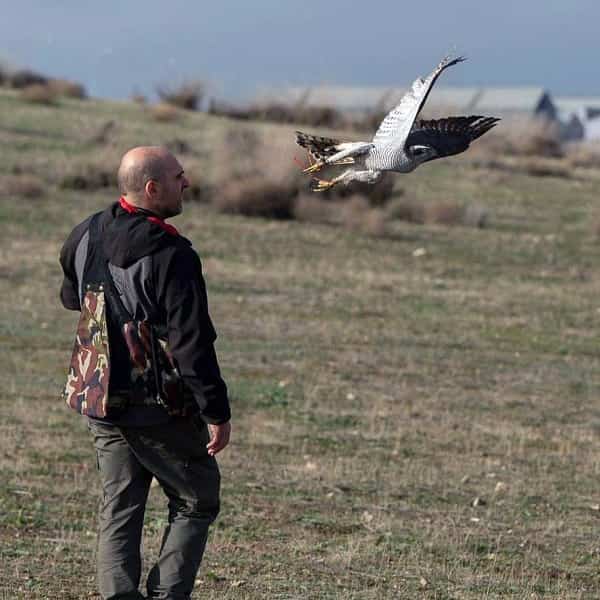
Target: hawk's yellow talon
x=320, y=185
x=313, y=168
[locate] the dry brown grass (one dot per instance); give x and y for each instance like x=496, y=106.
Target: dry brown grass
x=39, y=93
x=379, y=387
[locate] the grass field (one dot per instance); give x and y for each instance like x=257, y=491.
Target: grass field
x=416, y=416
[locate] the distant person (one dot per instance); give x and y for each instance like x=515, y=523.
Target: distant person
x=145, y=372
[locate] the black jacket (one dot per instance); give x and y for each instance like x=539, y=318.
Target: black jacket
x=159, y=278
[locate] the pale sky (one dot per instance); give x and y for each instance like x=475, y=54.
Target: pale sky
x=116, y=47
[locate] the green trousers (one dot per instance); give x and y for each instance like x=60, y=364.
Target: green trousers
x=128, y=457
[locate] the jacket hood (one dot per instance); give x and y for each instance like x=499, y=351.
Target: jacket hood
x=127, y=237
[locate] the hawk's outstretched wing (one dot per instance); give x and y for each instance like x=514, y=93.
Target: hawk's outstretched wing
x=451, y=135
x=399, y=121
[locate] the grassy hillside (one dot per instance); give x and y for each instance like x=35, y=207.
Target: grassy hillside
x=415, y=415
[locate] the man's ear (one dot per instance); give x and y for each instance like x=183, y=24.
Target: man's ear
x=151, y=187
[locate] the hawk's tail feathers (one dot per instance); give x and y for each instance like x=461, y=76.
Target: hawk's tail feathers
x=320, y=147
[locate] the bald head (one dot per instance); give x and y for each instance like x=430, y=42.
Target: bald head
x=151, y=177
x=139, y=165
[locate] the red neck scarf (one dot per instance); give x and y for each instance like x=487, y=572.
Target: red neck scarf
x=131, y=209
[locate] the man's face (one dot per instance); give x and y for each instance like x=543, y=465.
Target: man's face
x=171, y=188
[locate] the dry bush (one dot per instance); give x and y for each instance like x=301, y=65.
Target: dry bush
x=314, y=209
x=88, y=177
x=534, y=166
x=24, y=78
x=139, y=98
x=188, y=95
x=378, y=195
x=164, y=113
x=67, y=89
x=523, y=137
x=22, y=186
x=357, y=215
x=438, y=212
x=256, y=197
x=475, y=216
x=103, y=133
x=407, y=209
x=444, y=213
x=540, y=167
x=178, y=146
x=39, y=94
x=586, y=155
x=354, y=213
x=278, y=112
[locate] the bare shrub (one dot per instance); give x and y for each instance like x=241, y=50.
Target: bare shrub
x=24, y=78
x=357, y=215
x=475, y=216
x=444, y=213
x=188, y=95
x=524, y=137
x=138, y=98
x=407, y=209
x=67, y=89
x=278, y=112
x=585, y=155
x=22, y=186
x=179, y=146
x=313, y=209
x=88, y=177
x=102, y=134
x=39, y=94
x=256, y=197
x=164, y=113
x=437, y=212
x=378, y=195
x=203, y=194
x=534, y=166
x=539, y=167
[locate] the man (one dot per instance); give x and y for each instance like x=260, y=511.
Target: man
x=158, y=277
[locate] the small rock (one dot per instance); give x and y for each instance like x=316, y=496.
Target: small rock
x=500, y=488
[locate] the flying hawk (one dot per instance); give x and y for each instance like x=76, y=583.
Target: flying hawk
x=401, y=143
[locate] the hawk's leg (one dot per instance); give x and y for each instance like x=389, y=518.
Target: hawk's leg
x=320, y=185
x=343, y=157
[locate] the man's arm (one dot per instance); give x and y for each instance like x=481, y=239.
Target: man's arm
x=69, y=291
x=181, y=294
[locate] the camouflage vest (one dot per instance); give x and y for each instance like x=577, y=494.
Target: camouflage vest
x=154, y=378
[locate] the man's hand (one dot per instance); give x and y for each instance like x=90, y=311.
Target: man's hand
x=219, y=437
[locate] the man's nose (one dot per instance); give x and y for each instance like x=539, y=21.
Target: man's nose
x=186, y=183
